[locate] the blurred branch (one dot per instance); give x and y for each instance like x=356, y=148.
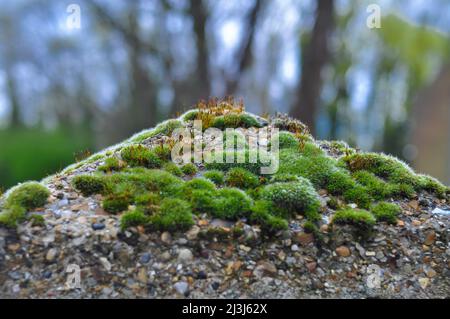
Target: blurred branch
x=244, y=52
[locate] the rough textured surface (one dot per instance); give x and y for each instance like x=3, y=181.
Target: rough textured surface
x=409, y=259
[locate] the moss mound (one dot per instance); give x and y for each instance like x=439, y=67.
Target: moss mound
x=139, y=180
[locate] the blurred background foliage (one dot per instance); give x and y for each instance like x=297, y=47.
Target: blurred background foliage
x=66, y=91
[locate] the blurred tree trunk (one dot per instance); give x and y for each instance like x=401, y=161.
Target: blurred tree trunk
x=245, y=50
x=315, y=55
x=199, y=16
x=15, y=118
x=431, y=127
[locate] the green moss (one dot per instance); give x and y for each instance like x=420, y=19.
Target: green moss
x=216, y=176
x=376, y=187
x=189, y=169
x=261, y=214
x=28, y=195
x=310, y=227
x=386, y=212
x=174, y=215
x=111, y=164
x=163, y=151
x=358, y=195
x=285, y=178
x=234, y=121
x=339, y=182
x=241, y=178
x=116, y=203
x=165, y=128
x=143, y=180
x=89, y=184
x=286, y=140
x=262, y=159
x=139, y=155
x=133, y=218
x=12, y=216
x=172, y=168
x=294, y=197
x=147, y=199
x=234, y=140
x=203, y=201
x=310, y=164
x=37, y=220
x=197, y=184
x=231, y=203
x=384, y=166
x=432, y=185
x=190, y=115
x=360, y=218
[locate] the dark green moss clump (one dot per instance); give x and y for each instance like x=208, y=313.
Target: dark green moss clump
x=386, y=212
x=216, y=176
x=37, y=220
x=174, y=215
x=189, y=169
x=262, y=215
x=286, y=140
x=251, y=160
x=116, y=203
x=360, y=218
x=294, y=197
x=172, y=168
x=231, y=203
x=89, y=184
x=235, y=121
x=133, y=218
x=112, y=164
x=29, y=195
x=12, y=216
x=139, y=155
x=241, y=178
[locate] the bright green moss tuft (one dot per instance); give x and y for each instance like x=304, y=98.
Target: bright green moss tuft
x=294, y=197
x=203, y=201
x=89, y=184
x=231, y=203
x=310, y=164
x=431, y=184
x=251, y=160
x=190, y=115
x=147, y=199
x=37, y=220
x=339, y=182
x=241, y=178
x=189, y=169
x=12, y=216
x=234, y=121
x=197, y=184
x=384, y=166
x=356, y=217
x=174, y=215
x=285, y=178
x=359, y=196
x=116, y=203
x=133, y=218
x=286, y=140
x=386, y=212
x=28, y=195
x=216, y=176
x=165, y=128
x=139, y=155
x=172, y=168
x=261, y=214
x=111, y=164
x=142, y=180
x=163, y=151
